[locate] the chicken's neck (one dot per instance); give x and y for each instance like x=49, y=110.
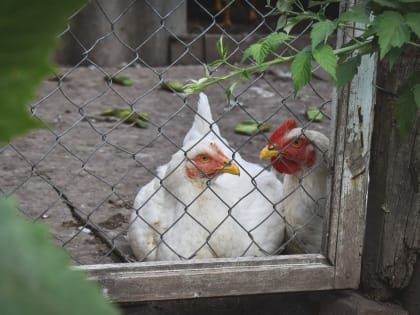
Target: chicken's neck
x=311, y=181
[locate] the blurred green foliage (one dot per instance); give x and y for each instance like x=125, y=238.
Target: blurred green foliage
x=35, y=275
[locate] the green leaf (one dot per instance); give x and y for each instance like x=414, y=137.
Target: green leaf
x=244, y=75
x=405, y=111
x=229, y=90
x=301, y=69
x=320, y=32
x=292, y=22
x=284, y=5
x=392, y=56
x=206, y=70
x=258, y=51
x=221, y=49
x=121, y=80
x=313, y=3
x=407, y=103
x=172, y=86
x=127, y=116
x=28, y=36
x=391, y=30
x=281, y=22
x=347, y=70
x=35, y=275
x=354, y=16
x=388, y=3
x=413, y=21
x=251, y=127
x=325, y=57
x=314, y=114
x=416, y=92
x=274, y=40
x=216, y=63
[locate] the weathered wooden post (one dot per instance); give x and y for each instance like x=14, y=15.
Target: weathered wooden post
x=392, y=241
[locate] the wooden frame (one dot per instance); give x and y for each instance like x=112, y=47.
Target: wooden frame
x=337, y=268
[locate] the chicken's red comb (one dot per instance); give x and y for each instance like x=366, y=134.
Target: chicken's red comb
x=283, y=129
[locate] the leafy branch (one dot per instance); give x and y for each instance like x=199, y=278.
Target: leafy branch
x=375, y=26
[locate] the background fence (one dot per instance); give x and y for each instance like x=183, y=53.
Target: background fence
x=82, y=172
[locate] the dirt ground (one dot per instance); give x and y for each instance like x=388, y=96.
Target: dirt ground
x=81, y=174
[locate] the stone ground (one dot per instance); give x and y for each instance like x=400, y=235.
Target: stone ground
x=81, y=174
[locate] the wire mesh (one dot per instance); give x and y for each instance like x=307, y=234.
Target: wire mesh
x=81, y=173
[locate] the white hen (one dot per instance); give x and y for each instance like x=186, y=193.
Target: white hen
x=300, y=154
x=196, y=209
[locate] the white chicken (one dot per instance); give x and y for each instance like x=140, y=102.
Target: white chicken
x=203, y=205
x=301, y=155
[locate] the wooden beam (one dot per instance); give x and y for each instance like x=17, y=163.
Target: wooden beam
x=211, y=278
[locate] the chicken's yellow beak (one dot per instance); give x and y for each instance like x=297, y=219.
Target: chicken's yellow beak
x=268, y=152
x=231, y=168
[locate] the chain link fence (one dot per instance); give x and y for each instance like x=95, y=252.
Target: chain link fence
x=82, y=172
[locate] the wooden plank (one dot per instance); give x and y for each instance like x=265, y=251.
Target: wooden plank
x=211, y=278
x=351, y=173
x=355, y=173
x=350, y=156
x=393, y=219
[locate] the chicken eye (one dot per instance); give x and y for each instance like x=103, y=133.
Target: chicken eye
x=204, y=158
x=297, y=143
x=272, y=147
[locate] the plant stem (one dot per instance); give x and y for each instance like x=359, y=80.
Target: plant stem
x=353, y=47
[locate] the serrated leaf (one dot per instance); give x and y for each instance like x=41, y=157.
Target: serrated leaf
x=392, y=56
x=392, y=31
x=325, y=57
x=274, y=40
x=354, y=16
x=258, y=51
x=247, y=53
x=347, y=70
x=413, y=21
x=35, y=275
x=301, y=69
x=28, y=36
x=320, y=32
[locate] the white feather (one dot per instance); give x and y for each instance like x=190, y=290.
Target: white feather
x=180, y=218
x=305, y=197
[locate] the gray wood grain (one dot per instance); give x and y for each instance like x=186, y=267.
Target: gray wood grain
x=211, y=278
x=393, y=221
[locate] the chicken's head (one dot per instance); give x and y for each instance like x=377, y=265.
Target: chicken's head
x=289, y=149
x=209, y=161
